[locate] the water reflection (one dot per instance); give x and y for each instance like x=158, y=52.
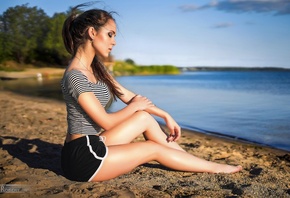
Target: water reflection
x=40, y=87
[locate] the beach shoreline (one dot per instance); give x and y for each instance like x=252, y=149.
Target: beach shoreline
x=45, y=72
x=32, y=135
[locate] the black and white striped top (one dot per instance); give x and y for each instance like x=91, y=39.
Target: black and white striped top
x=73, y=84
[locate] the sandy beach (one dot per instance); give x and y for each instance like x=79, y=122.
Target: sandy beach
x=32, y=135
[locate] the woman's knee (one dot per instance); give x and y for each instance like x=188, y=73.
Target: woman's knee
x=154, y=148
x=143, y=116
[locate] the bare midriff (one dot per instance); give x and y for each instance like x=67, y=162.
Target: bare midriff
x=71, y=137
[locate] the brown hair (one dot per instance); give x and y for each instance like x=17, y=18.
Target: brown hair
x=75, y=33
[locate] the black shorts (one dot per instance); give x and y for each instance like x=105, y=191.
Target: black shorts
x=83, y=157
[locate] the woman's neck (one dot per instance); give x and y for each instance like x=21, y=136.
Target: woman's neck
x=85, y=57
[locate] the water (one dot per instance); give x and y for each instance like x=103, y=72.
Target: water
x=48, y=88
x=253, y=106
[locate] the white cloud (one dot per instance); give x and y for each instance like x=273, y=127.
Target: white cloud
x=223, y=25
x=277, y=7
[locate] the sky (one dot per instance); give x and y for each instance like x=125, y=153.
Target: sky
x=230, y=33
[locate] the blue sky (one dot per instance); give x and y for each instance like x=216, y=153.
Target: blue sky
x=250, y=33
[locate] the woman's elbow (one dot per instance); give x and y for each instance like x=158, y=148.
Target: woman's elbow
x=107, y=124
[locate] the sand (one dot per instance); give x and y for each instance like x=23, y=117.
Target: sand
x=33, y=131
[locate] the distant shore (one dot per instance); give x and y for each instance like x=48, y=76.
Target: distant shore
x=218, y=68
x=47, y=72
x=33, y=131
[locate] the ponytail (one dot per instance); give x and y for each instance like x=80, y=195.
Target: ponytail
x=66, y=34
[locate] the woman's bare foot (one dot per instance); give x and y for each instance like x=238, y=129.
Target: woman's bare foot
x=223, y=168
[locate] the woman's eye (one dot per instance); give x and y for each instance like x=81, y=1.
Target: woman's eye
x=110, y=34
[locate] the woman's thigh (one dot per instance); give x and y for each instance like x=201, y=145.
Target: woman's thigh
x=139, y=123
x=128, y=130
x=124, y=158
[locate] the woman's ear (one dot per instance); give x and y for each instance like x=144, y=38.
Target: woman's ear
x=92, y=32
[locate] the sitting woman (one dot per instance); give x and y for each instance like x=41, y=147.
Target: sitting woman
x=91, y=155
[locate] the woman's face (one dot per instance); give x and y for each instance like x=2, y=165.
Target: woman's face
x=104, y=41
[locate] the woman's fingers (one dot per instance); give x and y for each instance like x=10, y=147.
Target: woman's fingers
x=178, y=133
x=144, y=99
x=174, y=135
x=142, y=102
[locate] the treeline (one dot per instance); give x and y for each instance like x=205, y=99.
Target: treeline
x=29, y=36
x=128, y=67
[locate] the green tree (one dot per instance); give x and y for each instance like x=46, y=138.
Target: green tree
x=53, y=48
x=23, y=29
x=5, y=47
x=3, y=50
x=130, y=61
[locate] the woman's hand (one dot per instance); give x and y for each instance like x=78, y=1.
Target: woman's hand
x=141, y=103
x=174, y=129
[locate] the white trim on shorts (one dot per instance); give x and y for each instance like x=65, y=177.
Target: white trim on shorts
x=95, y=155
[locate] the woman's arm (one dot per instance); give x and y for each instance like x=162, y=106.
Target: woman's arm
x=92, y=106
x=127, y=96
x=173, y=127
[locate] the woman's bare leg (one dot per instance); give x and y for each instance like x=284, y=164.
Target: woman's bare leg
x=140, y=122
x=122, y=159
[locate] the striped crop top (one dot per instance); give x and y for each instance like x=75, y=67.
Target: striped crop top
x=73, y=84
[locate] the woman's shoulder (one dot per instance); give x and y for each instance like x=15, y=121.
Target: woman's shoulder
x=74, y=74
x=73, y=77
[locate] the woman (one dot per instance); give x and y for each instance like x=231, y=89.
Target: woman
x=87, y=87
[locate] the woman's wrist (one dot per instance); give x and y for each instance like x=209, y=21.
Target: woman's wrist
x=166, y=116
x=131, y=99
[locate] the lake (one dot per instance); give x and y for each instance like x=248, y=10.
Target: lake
x=246, y=105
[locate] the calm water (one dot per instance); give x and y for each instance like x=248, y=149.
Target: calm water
x=254, y=106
